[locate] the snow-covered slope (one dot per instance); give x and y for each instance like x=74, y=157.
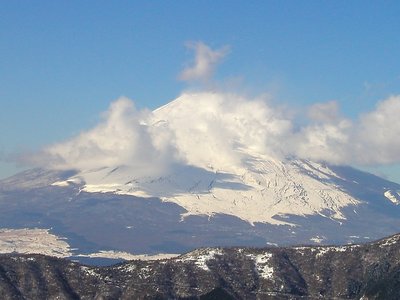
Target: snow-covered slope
x=266, y=189
x=237, y=177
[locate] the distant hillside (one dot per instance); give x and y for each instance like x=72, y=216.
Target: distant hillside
x=370, y=271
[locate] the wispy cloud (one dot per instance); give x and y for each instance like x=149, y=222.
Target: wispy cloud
x=205, y=61
x=324, y=112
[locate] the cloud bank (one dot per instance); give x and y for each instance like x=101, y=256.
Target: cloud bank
x=221, y=129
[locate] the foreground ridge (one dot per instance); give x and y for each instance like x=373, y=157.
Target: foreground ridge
x=369, y=271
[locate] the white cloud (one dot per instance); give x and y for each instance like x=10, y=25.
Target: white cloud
x=377, y=134
x=204, y=63
x=372, y=139
x=324, y=112
x=215, y=128
x=198, y=129
x=122, y=138
x=219, y=129
x=322, y=142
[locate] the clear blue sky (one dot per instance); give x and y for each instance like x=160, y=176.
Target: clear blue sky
x=63, y=62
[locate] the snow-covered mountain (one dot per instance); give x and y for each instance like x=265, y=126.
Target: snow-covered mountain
x=218, y=176
x=198, y=174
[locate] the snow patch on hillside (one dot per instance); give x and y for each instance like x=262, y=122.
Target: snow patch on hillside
x=389, y=241
x=90, y=271
x=200, y=257
x=128, y=256
x=263, y=264
x=39, y=241
x=393, y=196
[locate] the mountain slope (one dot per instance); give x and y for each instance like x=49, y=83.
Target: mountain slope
x=260, y=192
x=368, y=271
x=90, y=222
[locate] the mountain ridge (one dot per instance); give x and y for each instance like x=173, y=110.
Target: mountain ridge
x=369, y=271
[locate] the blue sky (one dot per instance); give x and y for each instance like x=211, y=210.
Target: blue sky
x=63, y=62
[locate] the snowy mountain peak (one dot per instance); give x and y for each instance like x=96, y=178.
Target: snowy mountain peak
x=210, y=153
x=223, y=165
